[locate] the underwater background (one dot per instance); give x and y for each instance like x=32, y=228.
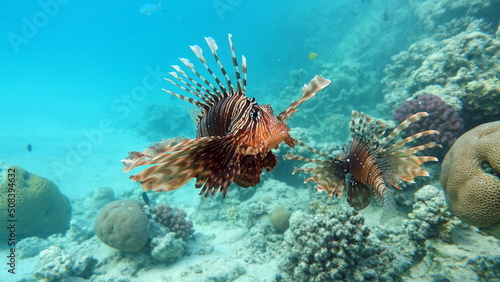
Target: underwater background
x=81, y=87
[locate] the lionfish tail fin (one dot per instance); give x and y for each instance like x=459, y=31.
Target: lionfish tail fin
x=308, y=91
x=193, y=158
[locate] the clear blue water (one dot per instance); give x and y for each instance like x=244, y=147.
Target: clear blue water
x=76, y=76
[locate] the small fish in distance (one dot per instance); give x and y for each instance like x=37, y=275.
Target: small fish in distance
x=148, y=9
x=370, y=163
x=234, y=138
x=29, y=148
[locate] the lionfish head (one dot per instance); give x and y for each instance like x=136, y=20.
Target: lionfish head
x=263, y=130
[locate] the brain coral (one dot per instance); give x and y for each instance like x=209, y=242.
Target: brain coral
x=123, y=225
x=40, y=208
x=470, y=176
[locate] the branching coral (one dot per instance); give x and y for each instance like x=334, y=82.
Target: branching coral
x=174, y=220
x=464, y=66
x=430, y=217
x=332, y=247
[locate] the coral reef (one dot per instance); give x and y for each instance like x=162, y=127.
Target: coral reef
x=280, y=218
x=98, y=198
x=442, y=117
x=54, y=265
x=163, y=121
x=430, y=217
x=40, y=208
x=433, y=13
x=471, y=177
x=167, y=248
x=464, y=66
x=174, y=220
x=31, y=246
x=123, y=225
x=332, y=247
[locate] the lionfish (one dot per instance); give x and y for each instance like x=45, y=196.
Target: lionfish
x=234, y=138
x=370, y=163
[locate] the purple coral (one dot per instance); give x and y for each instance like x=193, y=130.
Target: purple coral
x=442, y=117
x=174, y=220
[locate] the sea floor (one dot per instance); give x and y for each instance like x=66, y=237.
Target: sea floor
x=220, y=249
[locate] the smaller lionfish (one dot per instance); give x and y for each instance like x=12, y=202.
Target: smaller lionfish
x=370, y=163
x=235, y=135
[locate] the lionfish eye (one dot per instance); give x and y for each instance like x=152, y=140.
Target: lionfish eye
x=255, y=114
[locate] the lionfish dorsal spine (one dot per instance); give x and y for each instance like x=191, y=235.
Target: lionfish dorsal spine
x=200, y=91
x=182, y=97
x=396, y=146
x=244, y=70
x=241, y=88
x=187, y=63
x=213, y=48
x=187, y=86
x=199, y=54
x=402, y=126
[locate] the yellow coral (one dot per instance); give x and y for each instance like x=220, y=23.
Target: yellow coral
x=470, y=176
x=40, y=208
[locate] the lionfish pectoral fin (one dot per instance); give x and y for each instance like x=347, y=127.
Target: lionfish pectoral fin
x=207, y=159
x=308, y=91
x=252, y=167
x=358, y=195
x=146, y=157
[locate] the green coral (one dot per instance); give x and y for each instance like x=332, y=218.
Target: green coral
x=40, y=208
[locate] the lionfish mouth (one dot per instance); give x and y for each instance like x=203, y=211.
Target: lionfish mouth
x=235, y=135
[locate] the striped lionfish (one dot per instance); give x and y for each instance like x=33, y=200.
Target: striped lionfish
x=370, y=163
x=234, y=136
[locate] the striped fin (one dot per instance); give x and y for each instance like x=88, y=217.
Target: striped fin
x=289, y=156
x=216, y=91
x=188, y=88
x=199, y=90
x=402, y=126
x=199, y=53
x=213, y=47
x=304, y=145
x=308, y=91
x=244, y=70
x=398, y=145
x=363, y=128
x=208, y=159
x=241, y=86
